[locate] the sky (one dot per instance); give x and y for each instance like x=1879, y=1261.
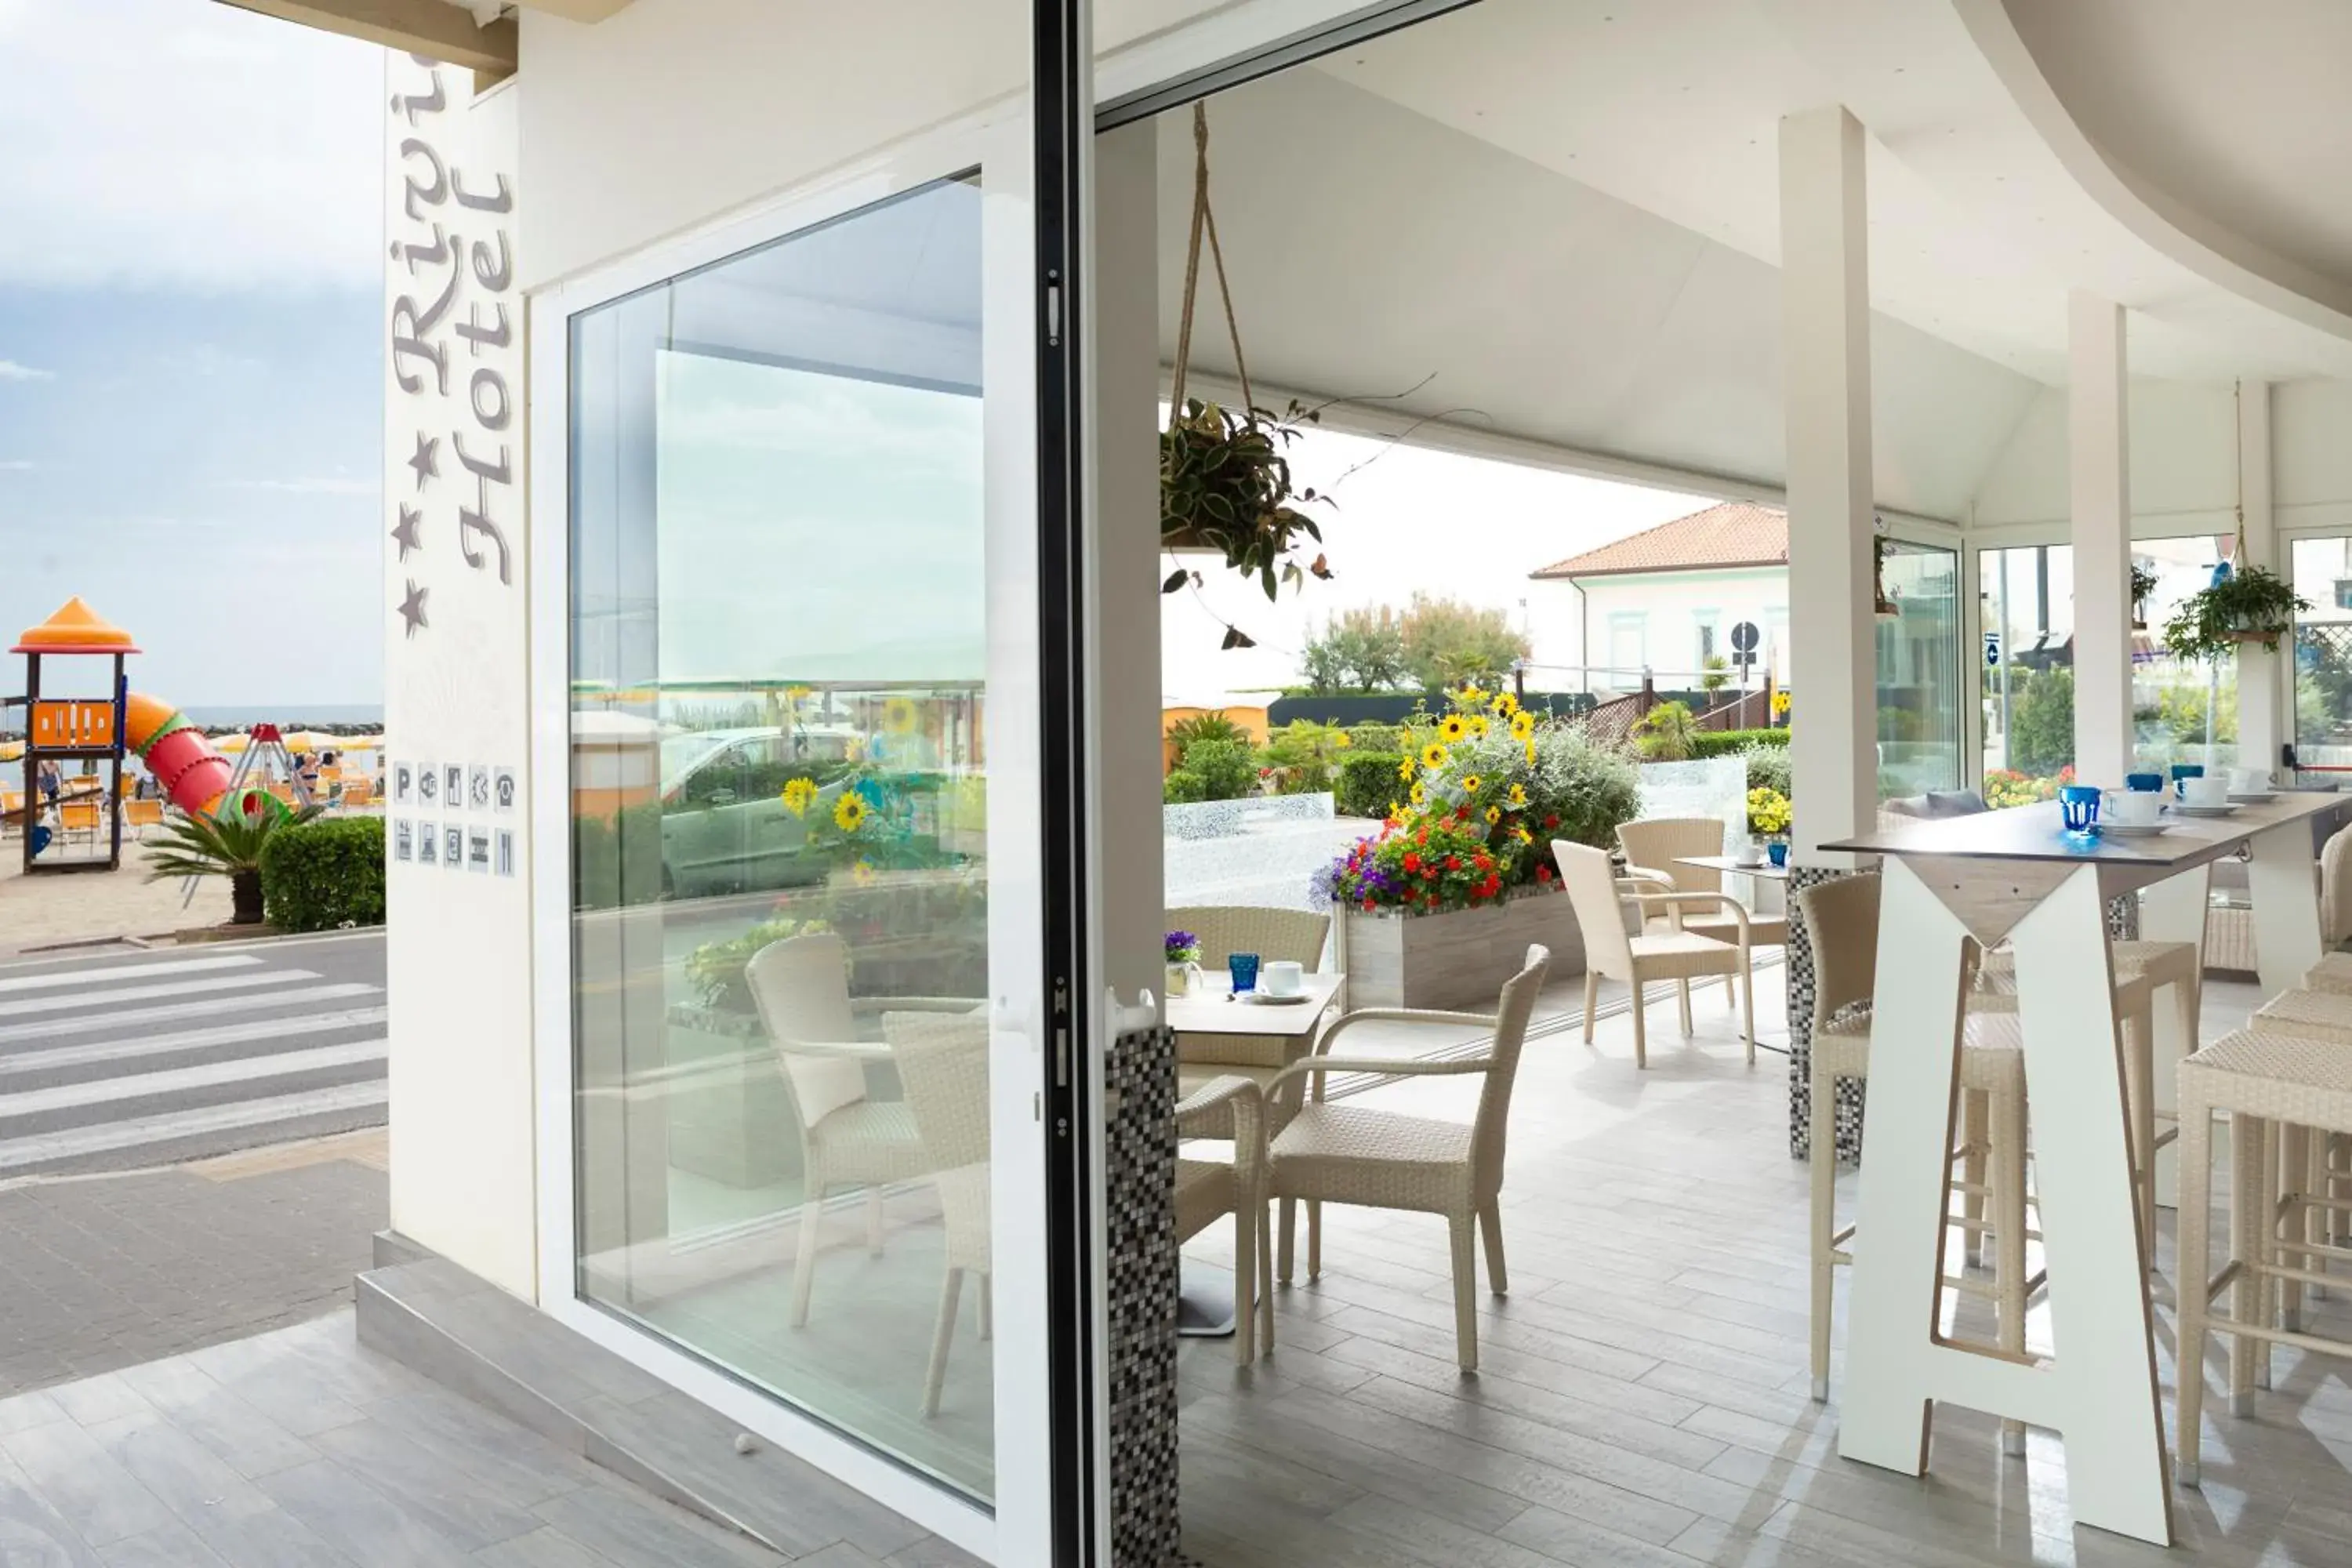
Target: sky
x=191, y=411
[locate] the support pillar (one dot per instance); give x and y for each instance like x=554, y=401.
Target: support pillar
x=2266, y=722
x=1825, y=364
x=2098, y=463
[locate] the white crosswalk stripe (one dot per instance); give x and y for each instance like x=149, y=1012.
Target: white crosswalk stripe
x=149, y=1061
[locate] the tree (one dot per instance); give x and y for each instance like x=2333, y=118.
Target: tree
x=1447, y=642
x=1359, y=650
x=2041, y=720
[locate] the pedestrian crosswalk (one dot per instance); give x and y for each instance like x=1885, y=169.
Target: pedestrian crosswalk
x=134, y=1061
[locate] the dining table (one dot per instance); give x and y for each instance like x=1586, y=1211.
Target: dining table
x=2021, y=876
x=1204, y=1302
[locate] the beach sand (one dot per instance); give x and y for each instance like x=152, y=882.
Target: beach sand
x=83, y=906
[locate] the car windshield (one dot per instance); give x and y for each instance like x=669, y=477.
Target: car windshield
x=680, y=754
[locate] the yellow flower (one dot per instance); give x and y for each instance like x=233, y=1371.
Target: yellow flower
x=1470, y=782
x=1434, y=756
x=1522, y=835
x=862, y=874
x=1395, y=812
x=799, y=795
x=1404, y=769
x=1523, y=725
x=1341, y=740
x=1473, y=694
x=1477, y=722
x=1452, y=728
x=1780, y=703
x=1518, y=795
x=1494, y=814
x=1506, y=705
x=849, y=811
x=898, y=716
x=1417, y=795
x=1531, y=753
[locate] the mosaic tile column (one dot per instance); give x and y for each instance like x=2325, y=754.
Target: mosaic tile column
x=1140, y=1146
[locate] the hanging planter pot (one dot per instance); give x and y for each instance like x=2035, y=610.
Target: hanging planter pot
x=1887, y=607
x=1224, y=481
x=2251, y=604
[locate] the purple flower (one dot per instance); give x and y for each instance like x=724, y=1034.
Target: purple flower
x=1182, y=947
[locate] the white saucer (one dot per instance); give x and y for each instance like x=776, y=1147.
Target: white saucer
x=2132, y=829
x=1267, y=999
x=2184, y=809
x=2252, y=796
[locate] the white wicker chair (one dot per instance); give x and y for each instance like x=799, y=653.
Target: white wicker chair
x=1380, y=1159
x=1842, y=918
x=1208, y=1190
x=801, y=986
x=1594, y=893
x=942, y=1060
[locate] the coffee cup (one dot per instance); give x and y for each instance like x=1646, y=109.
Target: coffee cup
x=2131, y=807
x=2249, y=780
x=2202, y=791
x=1282, y=978
x=1748, y=852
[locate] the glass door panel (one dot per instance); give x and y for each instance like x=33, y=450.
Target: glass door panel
x=1919, y=671
x=2322, y=570
x=2183, y=712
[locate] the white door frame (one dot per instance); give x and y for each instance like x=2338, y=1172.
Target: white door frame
x=997, y=141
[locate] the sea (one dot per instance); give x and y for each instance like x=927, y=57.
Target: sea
x=287, y=715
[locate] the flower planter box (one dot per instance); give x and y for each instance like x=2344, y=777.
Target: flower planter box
x=1459, y=960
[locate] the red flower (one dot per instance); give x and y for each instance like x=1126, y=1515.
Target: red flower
x=1552, y=821
x=1369, y=906
x=1412, y=861
x=1430, y=872
x=1543, y=873
x=1484, y=862
x=1454, y=862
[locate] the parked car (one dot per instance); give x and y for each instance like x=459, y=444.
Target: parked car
x=724, y=824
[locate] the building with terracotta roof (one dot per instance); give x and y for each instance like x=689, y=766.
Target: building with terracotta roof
x=1666, y=599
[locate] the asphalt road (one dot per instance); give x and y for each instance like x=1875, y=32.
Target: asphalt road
x=115, y=1060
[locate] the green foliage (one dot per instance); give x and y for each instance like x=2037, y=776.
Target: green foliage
x=715, y=970
x=2041, y=721
x=324, y=875
x=2251, y=599
x=1768, y=768
x=1185, y=733
x=1357, y=650
x=228, y=843
x=1226, y=771
x=2180, y=714
x=1368, y=783
x=1376, y=737
x=1588, y=786
x=1666, y=734
x=1183, y=787
x=1448, y=642
x=1719, y=673
x=1225, y=484
x=617, y=862
x=1723, y=743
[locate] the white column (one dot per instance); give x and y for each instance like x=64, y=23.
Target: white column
x=1124, y=696
x=1826, y=361
x=2099, y=461
x=2263, y=727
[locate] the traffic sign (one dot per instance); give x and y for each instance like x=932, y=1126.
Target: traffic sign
x=1744, y=638
x=1993, y=650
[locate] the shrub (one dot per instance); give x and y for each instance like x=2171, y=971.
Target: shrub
x=324, y=874
x=1183, y=787
x=1226, y=772
x=1665, y=733
x=1186, y=733
x=1723, y=743
x=1768, y=768
x=1376, y=737
x=1369, y=782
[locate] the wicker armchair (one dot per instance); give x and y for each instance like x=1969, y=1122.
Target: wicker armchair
x=942, y=1060
x=1208, y=1190
x=800, y=987
x=1684, y=955
x=1354, y=1154
x=1297, y=935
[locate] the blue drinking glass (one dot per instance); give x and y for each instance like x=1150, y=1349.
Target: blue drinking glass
x=2185, y=771
x=1778, y=853
x=2079, y=805
x=1245, y=970
x=2148, y=782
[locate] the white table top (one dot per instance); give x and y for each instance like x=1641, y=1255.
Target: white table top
x=2037, y=833
x=1764, y=869
x=1209, y=1008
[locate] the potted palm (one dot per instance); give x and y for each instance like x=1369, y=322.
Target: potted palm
x=2143, y=584
x=227, y=842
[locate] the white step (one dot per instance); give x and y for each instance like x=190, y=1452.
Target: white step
x=80, y=1142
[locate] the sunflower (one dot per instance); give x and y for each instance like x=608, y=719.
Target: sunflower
x=1470, y=782
x=1522, y=835
x=1452, y=727
x=1395, y=811
x=1494, y=814
x=898, y=716
x=799, y=795
x=1405, y=769
x=1523, y=725
x=1417, y=795
x=1477, y=722
x=1434, y=756
x=849, y=811
x=1341, y=740
x=1473, y=694
x=1531, y=753
x=1518, y=795
x=862, y=874
x=1506, y=705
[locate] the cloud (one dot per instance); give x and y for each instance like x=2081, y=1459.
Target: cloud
x=188, y=145
x=11, y=370
x=338, y=486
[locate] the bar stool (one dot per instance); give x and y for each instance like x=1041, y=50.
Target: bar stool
x=1842, y=918
x=2265, y=1080
x=2333, y=973
x=2309, y=1168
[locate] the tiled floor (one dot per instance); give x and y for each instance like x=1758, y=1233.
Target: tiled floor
x=1642, y=1396
x=299, y=1448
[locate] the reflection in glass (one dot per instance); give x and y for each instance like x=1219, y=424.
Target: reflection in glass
x=2323, y=655
x=2028, y=608
x=1919, y=671
x=2183, y=710
x=780, y=831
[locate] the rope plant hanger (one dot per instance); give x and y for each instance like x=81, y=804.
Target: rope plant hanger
x=1225, y=483
x=2243, y=603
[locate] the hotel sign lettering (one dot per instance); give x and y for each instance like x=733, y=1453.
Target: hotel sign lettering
x=454, y=345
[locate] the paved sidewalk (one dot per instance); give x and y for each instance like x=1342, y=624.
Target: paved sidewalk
x=106, y=1272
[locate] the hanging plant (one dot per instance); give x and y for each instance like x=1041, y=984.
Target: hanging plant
x=2249, y=605
x=1885, y=607
x=2143, y=584
x=1224, y=483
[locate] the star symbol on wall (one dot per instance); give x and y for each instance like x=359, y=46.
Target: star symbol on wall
x=405, y=531
x=411, y=608
x=427, y=461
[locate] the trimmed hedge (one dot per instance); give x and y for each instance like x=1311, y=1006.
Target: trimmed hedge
x=1183, y=787
x=1723, y=743
x=1368, y=782
x=324, y=874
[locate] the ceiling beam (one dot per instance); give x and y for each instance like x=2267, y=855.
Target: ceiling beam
x=432, y=27
x=577, y=10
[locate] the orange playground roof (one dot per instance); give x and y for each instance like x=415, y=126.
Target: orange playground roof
x=75, y=628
